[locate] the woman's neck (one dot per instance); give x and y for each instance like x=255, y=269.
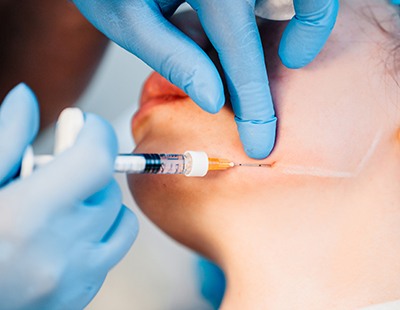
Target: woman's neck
x=312, y=255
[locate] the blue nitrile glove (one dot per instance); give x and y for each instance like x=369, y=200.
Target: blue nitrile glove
x=211, y=282
x=308, y=31
x=62, y=228
x=141, y=27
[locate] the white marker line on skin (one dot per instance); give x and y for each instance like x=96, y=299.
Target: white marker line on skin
x=326, y=173
x=316, y=172
x=371, y=151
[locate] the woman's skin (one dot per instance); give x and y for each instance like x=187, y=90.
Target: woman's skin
x=51, y=47
x=321, y=228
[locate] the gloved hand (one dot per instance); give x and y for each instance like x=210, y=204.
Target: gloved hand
x=141, y=27
x=62, y=228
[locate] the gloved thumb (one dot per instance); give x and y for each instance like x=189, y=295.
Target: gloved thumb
x=80, y=171
x=19, y=124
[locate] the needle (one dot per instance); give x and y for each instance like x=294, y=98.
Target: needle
x=254, y=165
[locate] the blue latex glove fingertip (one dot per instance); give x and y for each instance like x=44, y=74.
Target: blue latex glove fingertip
x=209, y=96
x=211, y=281
x=258, y=139
x=25, y=99
x=19, y=124
x=307, y=33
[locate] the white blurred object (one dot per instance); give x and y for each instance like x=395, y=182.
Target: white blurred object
x=69, y=124
x=394, y=305
x=275, y=9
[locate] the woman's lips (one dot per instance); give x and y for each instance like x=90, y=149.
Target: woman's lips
x=156, y=91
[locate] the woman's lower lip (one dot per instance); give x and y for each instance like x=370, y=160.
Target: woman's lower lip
x=146, y=108
x=156, y=91
x=156, y=86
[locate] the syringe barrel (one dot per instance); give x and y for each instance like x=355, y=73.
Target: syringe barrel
x=191, y=164
x=151, y=164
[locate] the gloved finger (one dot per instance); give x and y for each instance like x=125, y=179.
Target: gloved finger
x=307, y=33
x=79, y=284
x=232, y=29
x=211, y=281
x=79, y=172
x=141, y=28
x=19, y=124
x=99, y=212
x=119, y=239
x=189, y=23
x=80, y=293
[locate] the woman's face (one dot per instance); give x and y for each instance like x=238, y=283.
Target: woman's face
x=338, y=121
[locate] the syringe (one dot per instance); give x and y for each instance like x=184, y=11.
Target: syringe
x=191, y=164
